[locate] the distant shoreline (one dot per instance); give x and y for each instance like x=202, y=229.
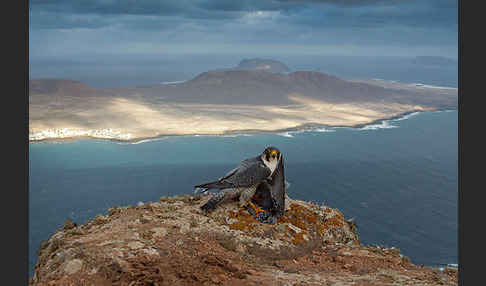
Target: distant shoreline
x=223, y=103
x=302, y=127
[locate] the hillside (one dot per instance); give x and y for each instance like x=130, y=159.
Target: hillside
x=263, y=88
x=171, y=242
x=263, y=64
x=62, y=87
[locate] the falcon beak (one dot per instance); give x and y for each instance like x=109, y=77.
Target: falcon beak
x=274, y=154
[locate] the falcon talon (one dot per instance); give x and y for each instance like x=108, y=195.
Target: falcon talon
x=257, y=209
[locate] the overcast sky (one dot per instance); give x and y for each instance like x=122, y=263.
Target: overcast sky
x=125, y=28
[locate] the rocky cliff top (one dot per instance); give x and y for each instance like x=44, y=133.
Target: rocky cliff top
x=171, y=242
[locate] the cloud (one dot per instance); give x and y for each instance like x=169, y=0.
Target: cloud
x=151, y=26
x=57, y=14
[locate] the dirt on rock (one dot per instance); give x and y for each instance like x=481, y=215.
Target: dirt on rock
x=171, y=242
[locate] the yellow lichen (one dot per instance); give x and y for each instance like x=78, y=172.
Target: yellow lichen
x=300, y=216
x=299, y=237
x=334, y=221
x=245, y=222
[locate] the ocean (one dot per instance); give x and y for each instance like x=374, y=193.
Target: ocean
x=398, y=179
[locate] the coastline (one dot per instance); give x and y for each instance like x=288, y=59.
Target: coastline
x=300, y=128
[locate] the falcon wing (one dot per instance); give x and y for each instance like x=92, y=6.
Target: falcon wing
x=250, y=172
x=229, y=174
x=277, y=188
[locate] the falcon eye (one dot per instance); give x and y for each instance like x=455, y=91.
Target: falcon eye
x=274, y=154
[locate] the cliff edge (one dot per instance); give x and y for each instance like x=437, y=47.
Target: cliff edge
x=171, y=242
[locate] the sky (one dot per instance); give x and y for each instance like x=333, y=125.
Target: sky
x=128, y=31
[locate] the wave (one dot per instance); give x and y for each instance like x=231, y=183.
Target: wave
x=235, y=135
x=407, y=116
x=447, y=110
x=385, y=124
x=148, y=140
x=286, y=134
x=173, y=82
x=453, y=265
x=323, y=129
x=432, y=86
x=290, y=134
x=141, y=141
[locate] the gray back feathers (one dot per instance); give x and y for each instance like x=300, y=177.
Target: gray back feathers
x=250, y=172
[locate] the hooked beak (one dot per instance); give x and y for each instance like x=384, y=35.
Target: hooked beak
x=274, y=154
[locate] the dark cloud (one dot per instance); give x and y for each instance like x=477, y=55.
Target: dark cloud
x=63, y=14
x=130, y=7
x=426, y=14
x=150, y=26
x=191, y=7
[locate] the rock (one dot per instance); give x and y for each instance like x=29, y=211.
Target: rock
x=69, y=224
x=73, y=266
x=159, y=232
x=135, y=245
x=240, y=248
x=294, y=228
x=219, y=248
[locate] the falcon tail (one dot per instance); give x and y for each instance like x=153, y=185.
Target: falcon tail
x=215, y=200
x=214, y=185
x=209, y=206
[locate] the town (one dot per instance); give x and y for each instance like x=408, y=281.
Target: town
x=71, y=133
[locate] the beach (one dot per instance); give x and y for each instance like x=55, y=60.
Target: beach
x=130, y=119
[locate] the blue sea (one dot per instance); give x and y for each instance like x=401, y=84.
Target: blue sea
x=397, y=178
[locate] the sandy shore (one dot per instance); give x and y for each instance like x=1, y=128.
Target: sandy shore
x=131, y=120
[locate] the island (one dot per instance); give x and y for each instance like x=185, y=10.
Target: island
x=247, y=98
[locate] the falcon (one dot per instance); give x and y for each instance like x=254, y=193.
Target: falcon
x=242, y=181
x=270, y=196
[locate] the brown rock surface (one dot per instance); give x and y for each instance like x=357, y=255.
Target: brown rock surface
x=171, y=242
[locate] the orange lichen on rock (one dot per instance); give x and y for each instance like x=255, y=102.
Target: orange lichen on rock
x=299, y=216
x=300, y=237
x=334, y=221
x=330, y=222
x=244, y=221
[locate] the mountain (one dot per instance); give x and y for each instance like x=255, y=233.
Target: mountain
x=262, y=65
x=56, y=86
x=256, y=87
x=263, y=88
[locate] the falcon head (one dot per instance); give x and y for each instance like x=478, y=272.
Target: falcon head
x=271, y=156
